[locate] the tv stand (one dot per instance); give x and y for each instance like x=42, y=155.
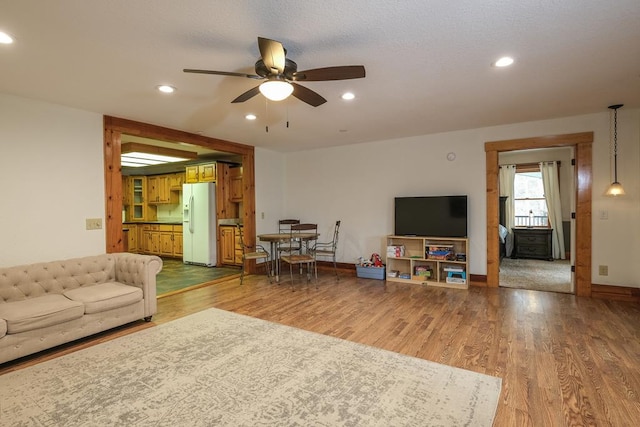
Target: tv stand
x=446, y=268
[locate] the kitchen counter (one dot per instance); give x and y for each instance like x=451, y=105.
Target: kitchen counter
x=153, y=222
x=230, y=221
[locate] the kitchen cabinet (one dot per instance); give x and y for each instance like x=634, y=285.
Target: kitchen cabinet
x=177, y=241
x=166, y=240
x=171, y=240
x=236, y=185
x=200, y=173
x=138, y=205
x=230, y=245
x=227, y=244
x=132, y=238
x=126, y=191
x=151, y=239
x=161, y=240
x=238, y=247
x=175, y=181
x=159, y=190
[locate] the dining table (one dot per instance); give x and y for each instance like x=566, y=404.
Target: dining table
x=275, y=239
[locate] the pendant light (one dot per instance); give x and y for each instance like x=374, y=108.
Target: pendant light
x=615, y=189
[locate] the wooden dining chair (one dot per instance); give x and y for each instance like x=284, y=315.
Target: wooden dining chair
x=284, y=227
x=328, y=249
x=256, y=252
x=305, y=257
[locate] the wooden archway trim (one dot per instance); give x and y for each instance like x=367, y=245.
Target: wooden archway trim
x=113, y=129
x=582, y=143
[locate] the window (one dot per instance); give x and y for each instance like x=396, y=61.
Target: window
x=530, y=205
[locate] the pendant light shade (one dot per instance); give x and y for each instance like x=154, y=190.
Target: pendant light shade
x=615, y=189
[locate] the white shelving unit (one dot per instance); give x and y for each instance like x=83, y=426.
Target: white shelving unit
x=416, y=261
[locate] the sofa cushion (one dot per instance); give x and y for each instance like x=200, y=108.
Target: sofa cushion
x=39, y=312
x=105, y=296
x=3, y=328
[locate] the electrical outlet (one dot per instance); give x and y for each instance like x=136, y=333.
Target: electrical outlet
x=94, y=223
x=603, y=270
x=262, y=215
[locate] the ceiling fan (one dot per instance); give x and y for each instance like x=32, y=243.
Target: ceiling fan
x=281, y=74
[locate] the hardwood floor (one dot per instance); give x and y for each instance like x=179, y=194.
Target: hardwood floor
x=564, y=360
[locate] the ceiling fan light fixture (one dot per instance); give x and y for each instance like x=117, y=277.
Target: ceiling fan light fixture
x=276, y=89
x=347, y=96
x=250, y=116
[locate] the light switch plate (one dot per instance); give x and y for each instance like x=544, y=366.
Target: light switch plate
x=94, y=223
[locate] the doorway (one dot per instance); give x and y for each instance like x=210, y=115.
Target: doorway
x=114, y=128
x=582, y=144
x=535, y=266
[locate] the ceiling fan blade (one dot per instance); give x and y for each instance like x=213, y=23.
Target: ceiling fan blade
x=223, y=73
x=307, y=95
x=247, y=95
x=330, y=73
x=273, y=55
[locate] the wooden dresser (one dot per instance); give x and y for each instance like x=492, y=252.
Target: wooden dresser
x=532, y=243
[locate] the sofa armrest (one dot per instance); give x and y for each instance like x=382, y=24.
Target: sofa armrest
x=140, y=271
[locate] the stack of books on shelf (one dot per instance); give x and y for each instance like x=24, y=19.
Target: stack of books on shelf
x=440, y=252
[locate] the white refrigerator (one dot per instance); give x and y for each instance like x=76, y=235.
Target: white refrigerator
x=199, y=223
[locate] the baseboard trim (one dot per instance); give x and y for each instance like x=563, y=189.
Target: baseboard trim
x=343, y=267
x=617, y=293
x=479, y=280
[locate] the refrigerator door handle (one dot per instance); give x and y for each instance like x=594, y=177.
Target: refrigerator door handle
x=191, y=214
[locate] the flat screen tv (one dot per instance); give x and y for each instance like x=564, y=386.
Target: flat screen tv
x=431, y=216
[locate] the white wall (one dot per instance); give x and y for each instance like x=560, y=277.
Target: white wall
x=270, y=178
x=52, y=179
x=52, y=176
x=358, y=183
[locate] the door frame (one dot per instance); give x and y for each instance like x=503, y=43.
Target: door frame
x=114, y=127
x=582, y=143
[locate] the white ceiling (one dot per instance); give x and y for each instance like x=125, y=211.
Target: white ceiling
x=427, y=63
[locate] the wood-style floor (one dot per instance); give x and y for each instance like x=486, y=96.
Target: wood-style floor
x=564, y=360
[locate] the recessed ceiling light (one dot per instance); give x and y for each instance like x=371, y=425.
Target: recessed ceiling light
x=166, y=89
x=250, y=116
x=348, y=96
x=5, y=38
x=505, y=61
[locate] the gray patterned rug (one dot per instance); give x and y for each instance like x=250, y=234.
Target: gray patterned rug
x=220, y=368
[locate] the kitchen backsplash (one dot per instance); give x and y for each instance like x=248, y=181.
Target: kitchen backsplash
x=170, y=212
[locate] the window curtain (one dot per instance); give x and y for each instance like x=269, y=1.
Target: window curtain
x=506, y=177
x=551, y=186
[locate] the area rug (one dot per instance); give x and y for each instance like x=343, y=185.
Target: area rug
x=535, y=274
x=225, y=369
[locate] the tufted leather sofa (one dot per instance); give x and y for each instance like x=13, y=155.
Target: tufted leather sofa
x=47, y=304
